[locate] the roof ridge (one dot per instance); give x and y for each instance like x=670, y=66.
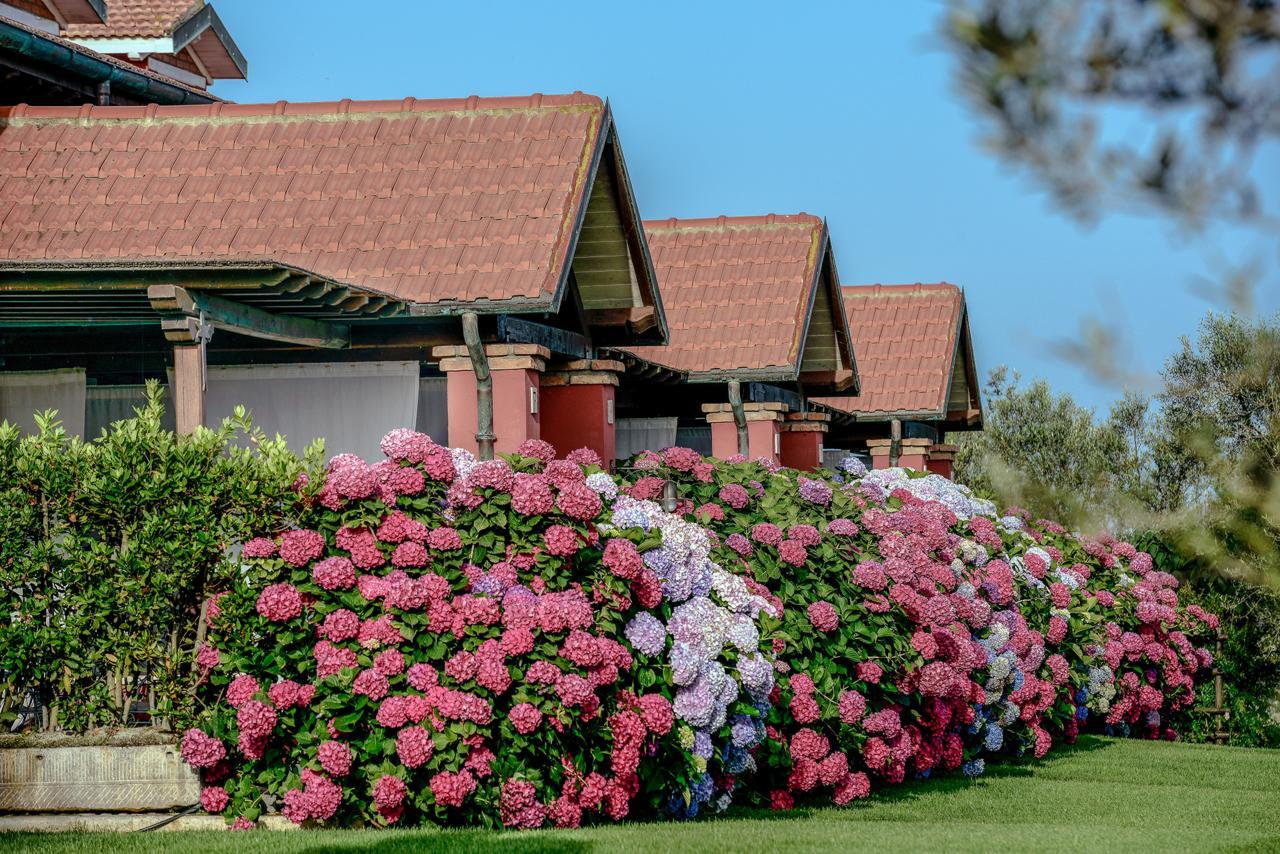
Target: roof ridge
x=724, y=221
x=300, y=109
x=904, y=289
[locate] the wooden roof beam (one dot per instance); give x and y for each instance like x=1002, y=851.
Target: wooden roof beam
x=247, y=320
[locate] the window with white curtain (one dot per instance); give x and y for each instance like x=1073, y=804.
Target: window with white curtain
x=106, y=404
x=644, y=434
x=24, y=393
x=351, y=405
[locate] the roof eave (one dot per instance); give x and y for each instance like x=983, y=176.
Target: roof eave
x=81, y=11
x=206, y=20
x=635, y=227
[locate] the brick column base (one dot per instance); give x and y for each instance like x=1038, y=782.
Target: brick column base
x=764, y=422
x=577, y=407
x=516, y=370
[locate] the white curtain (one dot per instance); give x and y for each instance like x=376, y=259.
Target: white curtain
x=433, y=408
x=351, y=405
x=107, y=404
x=645, y=434
x=24, y=393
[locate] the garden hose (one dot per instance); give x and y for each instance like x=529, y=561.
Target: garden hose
x=168, y=820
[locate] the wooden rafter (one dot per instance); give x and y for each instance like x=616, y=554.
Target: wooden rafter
x=236, y=317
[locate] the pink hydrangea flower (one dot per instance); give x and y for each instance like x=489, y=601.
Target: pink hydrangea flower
x=735, y=495
x=258, y=547
x=450, y=789
x=298, y=548
x=214, y=799
x=280, y=602
x=335, y=758
x=388, y=797
x=525, y=717
x=561, y=540
x=823, y=616
x=241, y=690
x=414, y=746
x=201, y=750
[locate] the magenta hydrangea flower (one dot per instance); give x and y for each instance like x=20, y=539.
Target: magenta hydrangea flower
x=414, y=746
x=579, y=501
x=388, y=797
x=623, y=558
x=444, y=539
x=280, y=602
x=214, y=799
x=258, y=547
x=537, y=449
x=585, y=457
x=450, y=789
x=561, y=540
x=735, y=495
x=766, y=533
x=525, y=717
x=823, y=616
x=201, y=750
x=531, y=495
x=739, y=544
x=298, y=548
x=334, y=573
x=241, y=690
x=791, y=551
x=335, y=758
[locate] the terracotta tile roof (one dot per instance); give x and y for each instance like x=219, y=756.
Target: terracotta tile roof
x=736, y=289
x=905, y=340
x=137, y=19
x=432, y=201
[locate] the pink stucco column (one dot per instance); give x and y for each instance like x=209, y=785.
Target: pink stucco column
x=516, y=371
x=764, y=421
x=578, y=401
x=800, y=439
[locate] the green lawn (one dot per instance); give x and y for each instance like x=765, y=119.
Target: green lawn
x=1102, y=795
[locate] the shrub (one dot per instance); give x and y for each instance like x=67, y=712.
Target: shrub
x=921, y=632
x=505, y=642
x=107, y=548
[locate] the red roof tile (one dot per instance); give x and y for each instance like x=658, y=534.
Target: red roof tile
x=736, y=290
x=137, y=19
x=448, y=200
x=905, y=340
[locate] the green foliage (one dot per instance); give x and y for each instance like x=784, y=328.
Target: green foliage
x=1060, y=83
x=106, y=550
x=1039, y=450
x=1248, y=656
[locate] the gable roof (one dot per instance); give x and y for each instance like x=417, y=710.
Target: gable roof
x=472, y=202
x=165, y=28
x=914, y=350
x=740, y=294
x=78, y=70
x=136, y=19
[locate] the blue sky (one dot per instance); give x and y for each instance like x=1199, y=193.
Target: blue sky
x=847, y=110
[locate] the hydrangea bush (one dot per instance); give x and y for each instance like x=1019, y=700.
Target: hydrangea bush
x=504, y=642
x=922, y=632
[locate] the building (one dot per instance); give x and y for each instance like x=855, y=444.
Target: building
x=476, y=268
x=919, y=378
x=756, y=318
x=42, y=61
x=340, y=250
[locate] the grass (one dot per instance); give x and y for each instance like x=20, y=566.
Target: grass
x=1101, y=795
